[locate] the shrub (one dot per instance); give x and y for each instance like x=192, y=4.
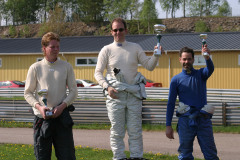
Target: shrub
x=12, y=32
x=201, y=26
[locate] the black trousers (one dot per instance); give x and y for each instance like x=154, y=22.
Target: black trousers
x=53, y=132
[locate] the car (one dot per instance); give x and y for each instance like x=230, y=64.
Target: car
x=11, y=84
x=150, y=83
x=87, y=83
x=79, y=83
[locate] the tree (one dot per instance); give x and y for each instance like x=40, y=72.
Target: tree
x=211, y=7
x=115, y=9
x=134, y=11
x=165, y=6
x=184, y=2
x=4, y=11
x=203, y=7
x=170, y=5
x=20, y=11
x=224, y=9
x=88, y=11
x=55, y=23
x=148, y=14
x=195, y=8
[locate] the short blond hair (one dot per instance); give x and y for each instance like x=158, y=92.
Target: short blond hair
x=47, y=38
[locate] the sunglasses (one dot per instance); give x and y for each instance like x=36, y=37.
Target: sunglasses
x=120, y=30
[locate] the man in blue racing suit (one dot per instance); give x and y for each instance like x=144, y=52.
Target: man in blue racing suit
x=193, y=112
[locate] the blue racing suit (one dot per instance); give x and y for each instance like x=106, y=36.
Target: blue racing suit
x=191, y=90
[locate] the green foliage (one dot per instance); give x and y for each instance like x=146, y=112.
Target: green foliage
x=148, y=15
x=201, y=26
x=170, y=6
x=43, y=29
x=22, y=11
x=115, y=9
x=14, y=124
x=89, y=11
x=25, y=32
x=203, y=8
x=102, y=31
x=224, y=9
x=219, y=29
x=12, y=31
x=55, y=23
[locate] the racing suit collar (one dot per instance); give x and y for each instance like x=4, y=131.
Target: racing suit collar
x=120, y=44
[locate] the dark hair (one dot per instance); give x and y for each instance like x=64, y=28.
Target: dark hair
x=120, y=20
x=188, y=50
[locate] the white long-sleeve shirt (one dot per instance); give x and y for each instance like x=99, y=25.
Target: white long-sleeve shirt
x=55, y=77
x=126, y=58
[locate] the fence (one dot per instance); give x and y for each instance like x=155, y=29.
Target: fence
x=226, y=113
x=222, y=95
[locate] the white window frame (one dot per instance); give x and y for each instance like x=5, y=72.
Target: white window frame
x=199, y=60
x=86, y=58
x=0, y=62
x=239, y=59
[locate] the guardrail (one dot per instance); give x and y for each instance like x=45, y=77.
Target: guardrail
x=226, y=113
x=222, y=95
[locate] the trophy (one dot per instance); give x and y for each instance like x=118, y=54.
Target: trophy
x=204, y=37
x=43, y=93
x=158, y=28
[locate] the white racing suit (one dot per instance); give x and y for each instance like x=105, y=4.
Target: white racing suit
x=127, y=109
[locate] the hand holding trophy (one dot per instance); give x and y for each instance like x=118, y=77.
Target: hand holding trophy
x=43, y=93
x=158, y=28
x=204, y=37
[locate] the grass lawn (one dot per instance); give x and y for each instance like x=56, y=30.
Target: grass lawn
x=25, y=152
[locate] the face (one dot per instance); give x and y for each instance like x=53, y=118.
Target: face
x=186, y=60
x=119, y=36
x=51, y=51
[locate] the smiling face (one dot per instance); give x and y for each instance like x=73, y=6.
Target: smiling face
x=118, y=31
x=51, y=50
x=186, y=60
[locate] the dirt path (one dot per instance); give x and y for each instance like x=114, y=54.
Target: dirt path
x=228, y=145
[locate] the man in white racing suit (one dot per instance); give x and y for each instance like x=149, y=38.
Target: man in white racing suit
x=124, y=107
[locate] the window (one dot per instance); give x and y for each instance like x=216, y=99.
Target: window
x=199, y=60
x=0, y=62
x=85, y=61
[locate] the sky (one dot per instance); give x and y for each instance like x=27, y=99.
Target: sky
x=234, y=4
